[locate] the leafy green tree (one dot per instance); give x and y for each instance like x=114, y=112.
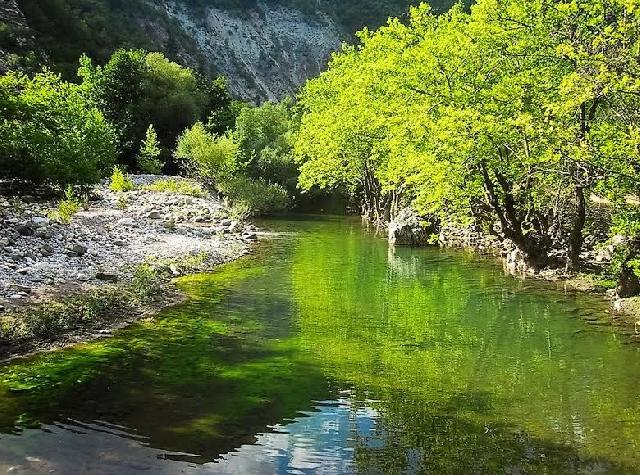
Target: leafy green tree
x=263, y=135
x=117, y=89
x=50, y=134
x=135, y=87
x=149, y=153
x=509, y=116
x=209, y=156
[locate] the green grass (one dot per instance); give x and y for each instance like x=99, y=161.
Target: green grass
x=181, y=187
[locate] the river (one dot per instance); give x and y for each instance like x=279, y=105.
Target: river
x=325, y=352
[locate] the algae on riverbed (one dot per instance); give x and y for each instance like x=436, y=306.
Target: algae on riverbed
x=421, y=360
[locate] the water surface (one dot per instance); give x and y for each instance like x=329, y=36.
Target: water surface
x=327, y=353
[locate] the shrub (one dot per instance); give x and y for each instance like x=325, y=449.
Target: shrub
x=120, y=181
x=254, y=197
x=123, y=202
x=146, y=283
x=210, y=157
x=69, y=206
x=181, y=187
x=148, y=161
x=50, y=134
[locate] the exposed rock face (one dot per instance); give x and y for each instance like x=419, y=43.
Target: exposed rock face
x=19, y=37
x=408, y=229
x=266, y=52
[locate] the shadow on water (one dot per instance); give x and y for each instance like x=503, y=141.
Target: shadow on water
x=326, y=353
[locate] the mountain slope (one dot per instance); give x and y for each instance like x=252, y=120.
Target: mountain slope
x=266, y=48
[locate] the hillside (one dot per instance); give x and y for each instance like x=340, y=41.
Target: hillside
x=265, y=48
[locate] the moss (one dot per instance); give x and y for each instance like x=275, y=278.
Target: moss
x=52, y=319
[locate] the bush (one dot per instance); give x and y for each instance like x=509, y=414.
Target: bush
x=146, y=283
x=255, y=197
x=210, y=157
x=69, y=206
x=120, y=181
x=50, y=134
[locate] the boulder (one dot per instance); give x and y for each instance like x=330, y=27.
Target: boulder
x=44, y=232
x=408, y=229
x=24, y=229
x=39, y=221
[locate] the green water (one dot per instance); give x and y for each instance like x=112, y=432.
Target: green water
x=324, y=352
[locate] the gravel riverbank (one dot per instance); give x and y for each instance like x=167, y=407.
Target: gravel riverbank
x=103, y=243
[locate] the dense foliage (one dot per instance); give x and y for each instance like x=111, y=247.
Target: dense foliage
x=252, y=165
x=136, y=89
x=50, y=133
x=509, y=116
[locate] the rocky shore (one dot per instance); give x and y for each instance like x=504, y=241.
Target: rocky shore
x=105, y=243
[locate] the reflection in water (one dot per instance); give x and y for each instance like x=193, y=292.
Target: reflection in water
x=326, y=353
x=320, y=441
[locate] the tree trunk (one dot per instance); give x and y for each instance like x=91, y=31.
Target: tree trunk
x=576, y=239
x=536, y=256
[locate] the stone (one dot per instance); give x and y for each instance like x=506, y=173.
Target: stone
x=154, y=215
x=24, y=229
x=22, y=289
x=77, y=249
x=125, y=222
x=175, y=270
x=235, y=227
x=47, y=250
x=106, y=276
x=408, y=229
x=39, y=221
x=44, y=233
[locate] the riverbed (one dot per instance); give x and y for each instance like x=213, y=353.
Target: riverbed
x=326, y=352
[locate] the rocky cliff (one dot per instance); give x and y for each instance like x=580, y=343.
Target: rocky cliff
x=265, y=52
x=266, y=48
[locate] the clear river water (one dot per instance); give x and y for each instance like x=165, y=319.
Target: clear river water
x=325, y=352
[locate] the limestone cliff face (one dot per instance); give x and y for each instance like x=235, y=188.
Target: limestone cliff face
x=266, y=52
x=16, y=35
